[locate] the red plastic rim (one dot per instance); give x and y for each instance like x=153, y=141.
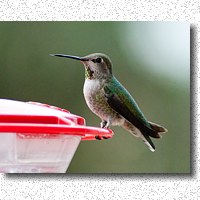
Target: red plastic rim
x=31, y=118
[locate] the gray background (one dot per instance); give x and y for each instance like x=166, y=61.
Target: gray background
x=151, y=59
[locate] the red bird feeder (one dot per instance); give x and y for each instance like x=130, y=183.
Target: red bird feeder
x=38, y=138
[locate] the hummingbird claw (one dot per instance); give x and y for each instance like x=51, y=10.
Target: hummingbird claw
x=98, y=137
x=103, y=124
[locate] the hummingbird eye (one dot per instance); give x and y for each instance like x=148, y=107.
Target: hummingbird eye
x=97, y=60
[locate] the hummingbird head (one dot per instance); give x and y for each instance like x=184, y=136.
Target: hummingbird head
x=97, y=65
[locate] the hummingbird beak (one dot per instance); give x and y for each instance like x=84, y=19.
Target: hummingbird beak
x=69, y=56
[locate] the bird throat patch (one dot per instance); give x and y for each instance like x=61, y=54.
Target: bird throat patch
x=88, y=73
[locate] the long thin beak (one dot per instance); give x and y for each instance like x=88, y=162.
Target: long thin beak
x=69, y=56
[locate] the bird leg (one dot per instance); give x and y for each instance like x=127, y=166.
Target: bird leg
x=105, y=124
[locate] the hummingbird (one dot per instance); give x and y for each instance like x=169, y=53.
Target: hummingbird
x=108, y=99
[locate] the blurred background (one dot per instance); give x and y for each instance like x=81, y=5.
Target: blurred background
x=151, y=59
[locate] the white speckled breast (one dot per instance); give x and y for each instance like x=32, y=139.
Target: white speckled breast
x=97, y=103
x=91, y=87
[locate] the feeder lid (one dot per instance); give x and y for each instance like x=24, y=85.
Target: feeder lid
x=33, y=117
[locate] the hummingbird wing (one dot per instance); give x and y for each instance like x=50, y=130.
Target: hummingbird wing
x=122, y=102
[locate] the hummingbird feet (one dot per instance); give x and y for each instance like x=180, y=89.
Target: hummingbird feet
x=105, y=124
x=101, y=137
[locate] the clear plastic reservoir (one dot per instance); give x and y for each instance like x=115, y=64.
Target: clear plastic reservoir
x=39, y=153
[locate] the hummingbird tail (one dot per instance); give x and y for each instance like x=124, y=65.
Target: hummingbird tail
x=151, y=148
x=158, y=129
x=146, y=139
x=136, y=132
